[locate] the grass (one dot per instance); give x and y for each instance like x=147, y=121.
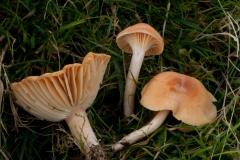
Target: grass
x=201, y=40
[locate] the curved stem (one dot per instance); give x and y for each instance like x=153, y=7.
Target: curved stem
x=82, y=132
x=133, y=137
x=132, y=78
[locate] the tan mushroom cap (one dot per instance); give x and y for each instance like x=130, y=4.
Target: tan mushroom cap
x=52, y=96
x=185, y=96
x=140, y=34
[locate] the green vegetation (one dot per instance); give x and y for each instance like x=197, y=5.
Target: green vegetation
x=201, y=40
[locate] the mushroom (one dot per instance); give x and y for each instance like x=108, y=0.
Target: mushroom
x=65, y=95
x=140, y=39
x=185, y=96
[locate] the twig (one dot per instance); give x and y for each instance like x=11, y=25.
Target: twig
x=165, y=21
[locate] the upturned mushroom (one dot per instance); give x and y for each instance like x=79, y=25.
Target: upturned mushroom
x=185, y=96
x=140, y=39
x=65, y=95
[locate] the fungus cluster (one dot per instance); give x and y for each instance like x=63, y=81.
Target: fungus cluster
x=65, y=95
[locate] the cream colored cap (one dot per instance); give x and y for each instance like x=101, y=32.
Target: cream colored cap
x=52, y=96
x=143, y=35
x=185, y=96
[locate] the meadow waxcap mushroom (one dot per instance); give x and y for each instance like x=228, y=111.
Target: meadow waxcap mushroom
x=65, y=95
x=140, y=39
x=141, y=35
x=51, y=94
x=185, y=96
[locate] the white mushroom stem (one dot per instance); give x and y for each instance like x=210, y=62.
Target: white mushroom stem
x=133, y=137
x=132, y=78
x=81, y=129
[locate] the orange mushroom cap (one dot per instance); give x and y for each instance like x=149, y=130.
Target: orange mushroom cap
x=52, y=96
x=141, y=35
x=185, y=96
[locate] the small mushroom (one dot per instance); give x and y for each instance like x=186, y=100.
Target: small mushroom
x=65, y=95
x=140, y=39
x=185, y=96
